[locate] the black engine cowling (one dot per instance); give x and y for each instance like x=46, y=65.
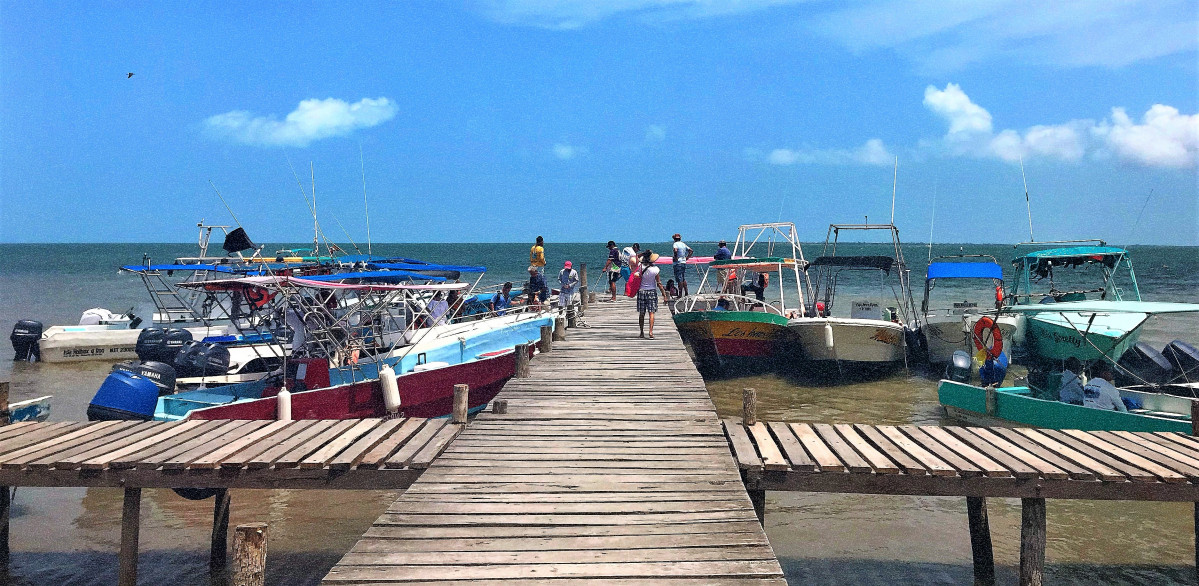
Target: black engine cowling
x=25, y=338
x=1143, y=365
x=1184, y=359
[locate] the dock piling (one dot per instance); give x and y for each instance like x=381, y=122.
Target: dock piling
x=130, y=527
x=522, y=361
x=560, y=329
x=461, y=403
x=547, y=339
x=249, y=554
x=4, y=414
x=583, y=290
x=980, y=541
x=749, y=406
x=1032, y=541
x=5, y=504
x=218, y=553
x=499, y=406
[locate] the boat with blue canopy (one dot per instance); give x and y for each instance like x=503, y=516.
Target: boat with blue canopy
x=973, y=324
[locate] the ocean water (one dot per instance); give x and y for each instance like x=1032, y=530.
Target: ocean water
x=70, y=536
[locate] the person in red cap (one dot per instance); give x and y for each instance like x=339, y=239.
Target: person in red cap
x=568, y=281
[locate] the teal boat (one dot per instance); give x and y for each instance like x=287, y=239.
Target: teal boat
x=1018, y=405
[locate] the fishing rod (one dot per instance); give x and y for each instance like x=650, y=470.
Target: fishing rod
x=894, y=183
x=1027, y=204
x=932, y=220
x=362, y=168
x=311, y=206
x=218, y=194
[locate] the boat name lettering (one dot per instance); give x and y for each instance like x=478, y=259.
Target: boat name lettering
x=1067, y=339
x=751, y=333
x=80, y=352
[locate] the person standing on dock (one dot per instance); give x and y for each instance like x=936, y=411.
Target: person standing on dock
x=537, y=255
x=647, y=295
x=568, y=281
x=629, y=260
x=681, y=252
x=612, y=268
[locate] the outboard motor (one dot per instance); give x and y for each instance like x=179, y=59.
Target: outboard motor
x=151, y=344
x=1185, y=361
x=175, y=339
x=124, y=396
x=25, y=339
x=959, y=367
x=161, y=373
x=185, y=360
x=211, y=360
x=1143, y=364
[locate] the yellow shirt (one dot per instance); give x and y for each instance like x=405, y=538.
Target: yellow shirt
x=537, y=256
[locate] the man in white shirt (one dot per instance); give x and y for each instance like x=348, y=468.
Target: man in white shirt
x=680, y=253
x=438, y=308
x=647, y=295
x=568, y=284
x=1100, y=393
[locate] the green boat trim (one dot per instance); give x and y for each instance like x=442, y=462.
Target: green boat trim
x=741, y=316
x=1017, y=405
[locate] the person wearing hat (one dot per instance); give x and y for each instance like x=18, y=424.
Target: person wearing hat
x=612, y=268
x=681, y=252
x=647, y=295
x=1100, y=393
x=568, y=281
x=722, y=251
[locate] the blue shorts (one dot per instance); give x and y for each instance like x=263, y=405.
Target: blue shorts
x=624, y=273
x=680, y=272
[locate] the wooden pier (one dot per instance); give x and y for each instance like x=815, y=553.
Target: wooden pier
x=610, y=466
x=222, y=454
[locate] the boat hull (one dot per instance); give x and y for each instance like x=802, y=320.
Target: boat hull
x=1057, y=336
x=428, y=393
x=84, y=343
x=1016, y=405
x=945, y=335
x=733, y=338
x=861, y=341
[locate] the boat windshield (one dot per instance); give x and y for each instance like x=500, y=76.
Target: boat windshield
x=1075, y=273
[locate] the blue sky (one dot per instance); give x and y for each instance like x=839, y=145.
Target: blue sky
x=585, y=120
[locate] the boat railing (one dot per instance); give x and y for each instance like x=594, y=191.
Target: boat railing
x=733, y=302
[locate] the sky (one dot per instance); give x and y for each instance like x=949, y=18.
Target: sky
x=589, y=120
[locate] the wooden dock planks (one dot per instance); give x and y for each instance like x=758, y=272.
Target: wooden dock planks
x=610, y=466
x=969, y=461
x=222, y=454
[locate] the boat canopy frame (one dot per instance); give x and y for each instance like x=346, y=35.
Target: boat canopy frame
x=1039, y=266
x=828, y=270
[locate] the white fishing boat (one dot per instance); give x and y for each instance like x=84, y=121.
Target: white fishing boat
x=875, y=334
x=964, y=325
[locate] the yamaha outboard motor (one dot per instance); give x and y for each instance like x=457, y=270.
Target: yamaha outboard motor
x=1143, y=365
x=211, y=360
x=175, y=339
x=124, y=396
x=1185, y=361
x=959, y=367
x=25, y=338
x=185, y=359
x=161, y=345
x=161, y=373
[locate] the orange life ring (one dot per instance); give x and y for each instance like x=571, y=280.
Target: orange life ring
x=987, y=336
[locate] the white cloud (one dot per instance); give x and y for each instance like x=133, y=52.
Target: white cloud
x=1165, y=138
x=942, y=38
x=312, y=120
x=575, y=14
x=871, y=153
x=566, y=152
x=655, y=133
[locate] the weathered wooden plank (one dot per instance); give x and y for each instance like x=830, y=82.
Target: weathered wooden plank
x=880, y=463
x=229, y=433
x=314, y=443
x=324, y=456
x=853, y=461
x=736, y=568
x=79, y=436
x=378, y=454
x=1165, y=474
x=299, y=433
x=153, y=429
x=1147, y=448
x=743, y=449
x=423, y=458
x=1003, y=452
x=203, y=439
x=989, y=466
x=929, y=462
x=824, y=457
x=1047, y=445
x=403, y=457
x=1033, y=450
x=185, y=433
x=791, y=447
x=40, y=433
x=963, y=466
x=893, y=452
x=228, y=456
x=1133, y=472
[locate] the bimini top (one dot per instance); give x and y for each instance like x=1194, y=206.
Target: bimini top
x=423, y=266
x=1097, y=306
x=263, y=282
x=883, y=263
x=388, y=276
x=1077, y=254
x=240, y=269
x=964, y=270
x=772, y=263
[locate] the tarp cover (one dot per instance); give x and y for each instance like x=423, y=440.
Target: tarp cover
x=864, y=262
x=238, y=284
x=965, y=270
x=421, y=266
x=237, y=241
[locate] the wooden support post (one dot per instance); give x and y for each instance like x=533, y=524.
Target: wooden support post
x=992, y=404
x=547, y=339
x=1195, y=431
x=218, y=551
x=758, y=498
x=461, y=403
x=559, y=329
x=499, y=406
x=749, y=406
x=130, y=526
x=583, y=290
x=1032, y=541
x=249, y=555
x=980, y=541
x=522, y=361
x=4, y=414
x=591, y=297
x=5, y=506
x=572, y=318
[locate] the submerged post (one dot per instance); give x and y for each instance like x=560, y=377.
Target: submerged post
x=749, y=406
x=461, y=403
x=5, y=505
x=130, y=526
x=992, y=400
x=560, y=329
x=547, y=339
x=218, y=551
x=1032, y=541
x=4, y=414
x=583, y=287
x=522, y=361
x=249, y=555
x=980, y=541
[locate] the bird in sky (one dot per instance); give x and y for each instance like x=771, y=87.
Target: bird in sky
x=128, y=75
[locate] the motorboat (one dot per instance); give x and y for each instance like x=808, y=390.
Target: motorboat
x=950, y=326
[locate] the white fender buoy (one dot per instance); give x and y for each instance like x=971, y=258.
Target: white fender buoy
x=391, y=390
x=284, y=405
x=828, y=335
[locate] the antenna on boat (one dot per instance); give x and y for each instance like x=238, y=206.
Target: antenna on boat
x=1026, y=202
x=932, y=220
x=316, y=226
x=1133, y=232
x=362, y=168
x=894, y=182
x=218, y=194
